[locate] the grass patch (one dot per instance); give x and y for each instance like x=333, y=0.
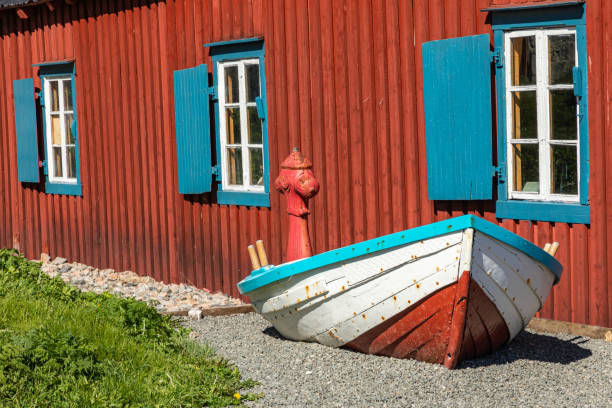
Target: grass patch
x=60, y=347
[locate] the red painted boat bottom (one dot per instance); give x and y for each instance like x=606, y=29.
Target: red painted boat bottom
x=427, y=331
x=485, y=330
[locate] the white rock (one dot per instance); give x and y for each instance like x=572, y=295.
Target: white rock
x=58, y=261
x=44, y=257
x=195, y=314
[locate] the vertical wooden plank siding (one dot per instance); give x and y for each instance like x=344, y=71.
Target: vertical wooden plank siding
x=345, y=84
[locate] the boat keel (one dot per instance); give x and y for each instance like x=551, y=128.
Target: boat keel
x=453, y=324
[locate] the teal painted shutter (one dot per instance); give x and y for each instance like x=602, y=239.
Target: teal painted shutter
x=25, y=123
x=192, y=116
x=458, y=124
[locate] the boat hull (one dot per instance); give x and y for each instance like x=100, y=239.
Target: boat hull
x=443, y=299
x=425, y=331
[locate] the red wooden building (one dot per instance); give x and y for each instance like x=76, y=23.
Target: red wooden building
x=92, y=171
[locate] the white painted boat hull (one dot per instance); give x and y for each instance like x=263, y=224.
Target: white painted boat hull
x=335, y=304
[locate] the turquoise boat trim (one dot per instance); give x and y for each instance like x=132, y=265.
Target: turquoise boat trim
x=260, y=278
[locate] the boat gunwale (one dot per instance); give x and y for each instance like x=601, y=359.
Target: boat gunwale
x=264, y=276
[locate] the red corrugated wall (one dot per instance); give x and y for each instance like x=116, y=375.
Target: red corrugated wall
x=344, y=83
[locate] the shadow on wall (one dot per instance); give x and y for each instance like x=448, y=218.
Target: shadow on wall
x=536, y=347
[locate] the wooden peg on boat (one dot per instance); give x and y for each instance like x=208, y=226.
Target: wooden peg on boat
x=262, y=252
x=553, y=248
x=254, y=259
x=547, y=247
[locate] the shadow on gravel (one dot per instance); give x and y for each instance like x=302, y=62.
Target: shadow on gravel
x=526, y=346
x=536, y=347
x=272, y=332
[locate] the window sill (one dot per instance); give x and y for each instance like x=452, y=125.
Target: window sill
x=543, y=211
x=63, y=188
x=243, y=198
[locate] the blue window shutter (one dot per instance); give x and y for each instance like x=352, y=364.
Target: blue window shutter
x=25, y=122
x=458, y=124
x=192, y=116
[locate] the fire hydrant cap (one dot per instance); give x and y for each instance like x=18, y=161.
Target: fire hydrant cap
x=295, y=161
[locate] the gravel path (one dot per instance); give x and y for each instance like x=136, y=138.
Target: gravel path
x=538, y=370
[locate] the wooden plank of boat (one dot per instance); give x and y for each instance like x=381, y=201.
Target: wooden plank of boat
x=438, y=293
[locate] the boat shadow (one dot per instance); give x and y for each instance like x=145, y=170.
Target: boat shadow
x=536, y=347
x=526, y=346
x=272, y=332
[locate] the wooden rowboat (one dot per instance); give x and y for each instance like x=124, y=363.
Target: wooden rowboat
x=440, y=293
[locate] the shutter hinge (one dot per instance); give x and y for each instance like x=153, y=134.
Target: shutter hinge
x=500, y=172
x=215, y=170
x=212, y=92
x=43, y=164
x=496, y=58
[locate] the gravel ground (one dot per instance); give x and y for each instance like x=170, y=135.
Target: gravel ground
x=538, y=370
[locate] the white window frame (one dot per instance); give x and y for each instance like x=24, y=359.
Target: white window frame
x=244, y=145
x=543, y=116
x=61, y=80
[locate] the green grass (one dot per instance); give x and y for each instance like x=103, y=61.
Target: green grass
x=60, y=347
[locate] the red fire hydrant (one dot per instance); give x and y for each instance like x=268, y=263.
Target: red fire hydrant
x=297, y=182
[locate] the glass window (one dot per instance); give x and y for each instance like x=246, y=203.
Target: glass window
x=241, y=138
x=542, y=115
x=60, y=132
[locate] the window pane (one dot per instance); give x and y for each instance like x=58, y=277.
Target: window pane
x=231, y=85
x=54, y=97
x=233, y=125
x=71, y=159
x=56, y=130
x=526, y=168
x=524, y=112
x=57, y=161
x=234, y=165
x=68, y=120
x=252, y=78
x=562, y=58
x=523, y=56
x=68, y=94
x=563, y=163
x=256, y=166
x=563, y=120
x=254, y=126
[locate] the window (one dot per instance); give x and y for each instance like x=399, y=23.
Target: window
x=59, y=130
x=58, y=101
x=538, y=62
x=59, y=124
x=239, y=125
x=542, y=115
